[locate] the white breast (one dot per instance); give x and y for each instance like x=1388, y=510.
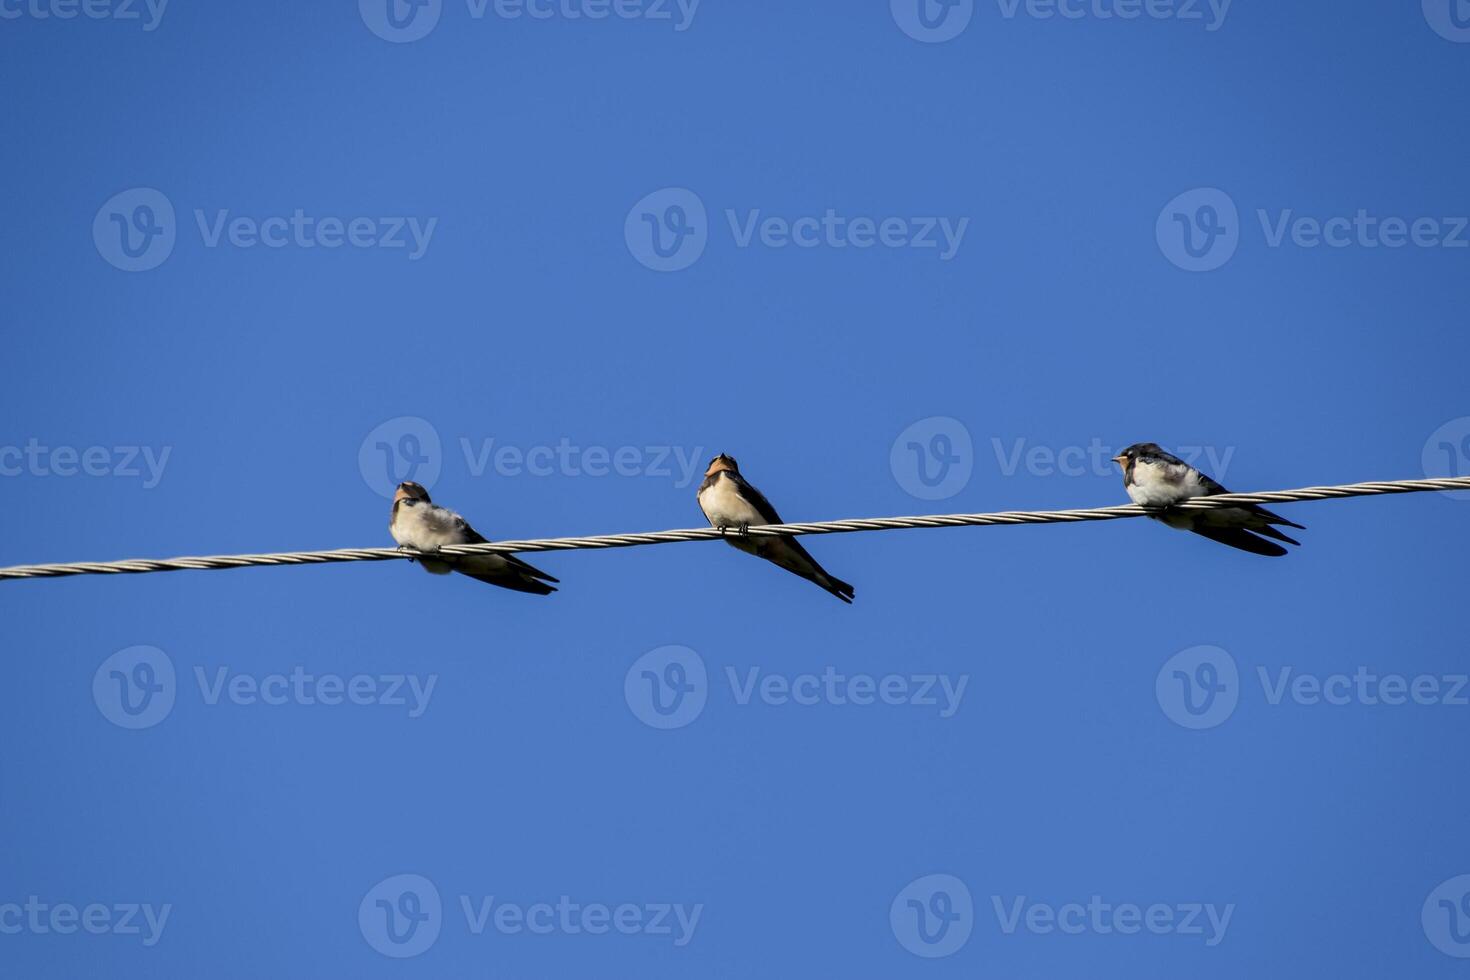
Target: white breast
x=1161, y=484
x=723, y=504
x=426, y=527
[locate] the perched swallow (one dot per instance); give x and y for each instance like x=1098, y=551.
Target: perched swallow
x=420, y=524
x=1154, y=478
x=728, y=501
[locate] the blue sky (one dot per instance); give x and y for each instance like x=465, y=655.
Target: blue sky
x=366, y=243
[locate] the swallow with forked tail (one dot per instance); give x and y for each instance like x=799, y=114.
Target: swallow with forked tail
x=423, y=525
x=1154, y=478
x=730, y=502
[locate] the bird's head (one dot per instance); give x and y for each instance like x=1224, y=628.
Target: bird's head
x=1138, y=450
x=720, y=463
x=408, y=490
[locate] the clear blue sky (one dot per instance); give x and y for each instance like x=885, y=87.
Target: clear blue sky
x=536, y=328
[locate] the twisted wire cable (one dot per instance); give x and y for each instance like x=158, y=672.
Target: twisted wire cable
x=211, y=562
